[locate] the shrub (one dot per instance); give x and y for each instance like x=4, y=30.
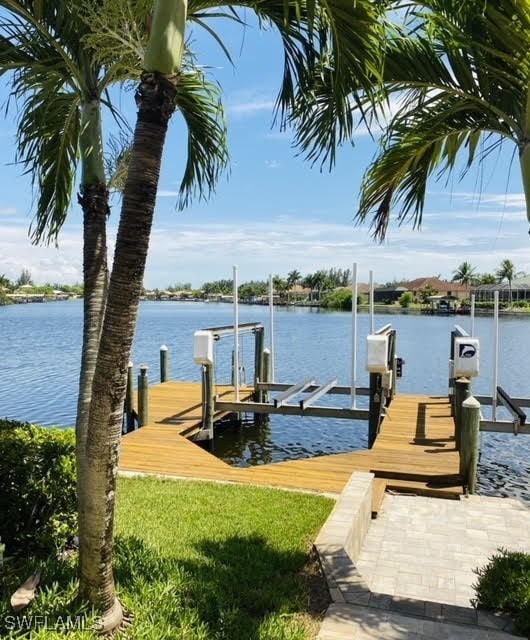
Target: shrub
x=504, y=585
x=37, y=487
x=406, y=299
x=338, y=299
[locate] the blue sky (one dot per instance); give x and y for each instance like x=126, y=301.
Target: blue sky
x=272, y=212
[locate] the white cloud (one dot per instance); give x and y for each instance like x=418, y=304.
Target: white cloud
x=45, y=263
x=503, y=200
x=198, y=253
x=167, y=193
x=249, y=108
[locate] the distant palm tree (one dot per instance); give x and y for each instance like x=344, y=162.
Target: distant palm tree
x=5, y=283
x=465, y=274
x=487, y=278
x=461, y=73
x=293, y=278
x=506, y=271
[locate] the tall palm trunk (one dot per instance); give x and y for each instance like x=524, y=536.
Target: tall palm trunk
x=94, y=201
x=156, y=101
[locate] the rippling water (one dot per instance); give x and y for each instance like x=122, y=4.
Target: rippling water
x=40, y=363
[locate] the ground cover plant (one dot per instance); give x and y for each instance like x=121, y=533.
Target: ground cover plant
x=193, y=561
x=503, y=585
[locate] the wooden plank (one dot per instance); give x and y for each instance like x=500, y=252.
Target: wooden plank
x=414, y=451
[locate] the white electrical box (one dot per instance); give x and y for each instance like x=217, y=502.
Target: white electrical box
x=386, y=381
x=466, y=357
x=203, y=347
x=377, y=353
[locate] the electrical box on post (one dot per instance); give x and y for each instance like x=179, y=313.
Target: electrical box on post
x=203, y=347
x=466, y=357
x=377, y=353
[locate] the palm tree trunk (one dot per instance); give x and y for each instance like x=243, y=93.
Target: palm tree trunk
x=524, y=156
x=94, y=201
x=156, y=101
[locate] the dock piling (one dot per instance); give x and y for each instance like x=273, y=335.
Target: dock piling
x=374, y=409
x=267, y=372
x=164, y=363
x=462, y=392
x=143, y=388
x=129, y=399
x=259, y=341
x=470, y=442
x=208, y=401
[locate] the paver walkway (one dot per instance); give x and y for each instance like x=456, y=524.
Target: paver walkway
x=427, y=548
x=417, y=563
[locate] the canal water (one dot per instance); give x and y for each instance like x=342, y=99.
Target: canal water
x=41, y=355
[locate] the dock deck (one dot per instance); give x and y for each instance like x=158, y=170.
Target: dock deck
x=414, y=451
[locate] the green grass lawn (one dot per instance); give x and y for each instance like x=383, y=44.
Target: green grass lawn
x=200, y=561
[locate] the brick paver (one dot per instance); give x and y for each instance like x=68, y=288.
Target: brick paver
x=414, y=574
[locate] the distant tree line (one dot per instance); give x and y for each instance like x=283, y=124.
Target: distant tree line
x=25, y=280
x=317, y=282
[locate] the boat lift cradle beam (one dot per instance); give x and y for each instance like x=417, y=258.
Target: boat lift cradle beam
x=339, y=389
x=303, y=408
x=290, y=410
x=513, y=405
x=292, y=391
x=317, y=393
x=228, y=330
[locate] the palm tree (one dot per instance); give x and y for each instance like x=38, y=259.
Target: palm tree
x=462, y=73
x=281, y=286
x=487, y=278
x=62, y=78
x=317, y=44
x=5, y=283
x=506, y=271
x=465, y=274
x=293, y=278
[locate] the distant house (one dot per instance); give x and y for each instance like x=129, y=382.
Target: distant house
x=441, y=287
x=520, y=291
x=388, y=295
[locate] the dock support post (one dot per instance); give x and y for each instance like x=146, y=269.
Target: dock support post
x=164, y=363
x=374, y=409
x=209, y=399
x=143, y=387
x=392, y=366
x=129, y=399
x=259, y=339
x=470, y=443
x=451, y=382
x=462, y=392
x=267, y=372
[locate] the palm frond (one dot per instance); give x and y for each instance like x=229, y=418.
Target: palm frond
x=48, y=135
x=207, y=151
x=424, y=141
x=461, y=74
x=331, y=50
x=117, y=160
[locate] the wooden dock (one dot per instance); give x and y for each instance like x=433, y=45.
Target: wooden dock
x=414, y=451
